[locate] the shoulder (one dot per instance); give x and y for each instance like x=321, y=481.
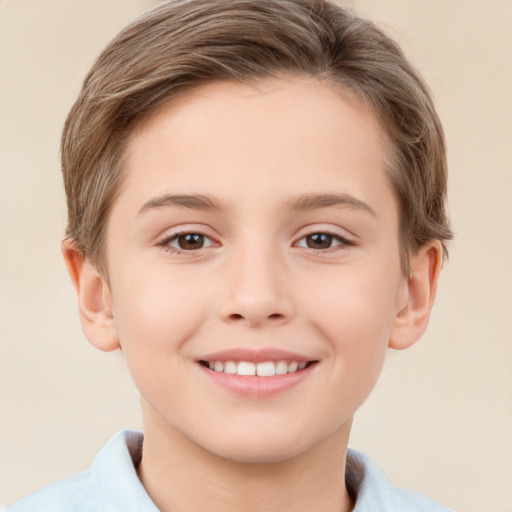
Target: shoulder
x=111, y=483
x=374, y=493
x=74, y=493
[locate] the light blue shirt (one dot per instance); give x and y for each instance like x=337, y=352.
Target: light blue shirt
x=112, y=485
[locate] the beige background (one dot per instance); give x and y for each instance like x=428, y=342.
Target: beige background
x=440, y=420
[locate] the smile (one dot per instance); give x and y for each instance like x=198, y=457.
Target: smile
x=261, y=369
x=256, y=373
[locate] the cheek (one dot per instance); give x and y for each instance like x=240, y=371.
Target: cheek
x=355, y=314
x=157, y=313
x=354, y=304
x=158, y=310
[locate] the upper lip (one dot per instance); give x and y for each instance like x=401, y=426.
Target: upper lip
x=255, y=355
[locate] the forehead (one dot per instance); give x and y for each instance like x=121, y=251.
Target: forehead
x=279, y=137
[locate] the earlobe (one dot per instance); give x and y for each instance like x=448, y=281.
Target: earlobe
x=418, y=294
x=94, y=299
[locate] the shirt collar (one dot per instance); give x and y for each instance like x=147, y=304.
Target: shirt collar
x=115, y=475
x=118, y=487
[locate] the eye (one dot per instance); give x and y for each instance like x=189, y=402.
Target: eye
x=323, y=241
x=186, y=242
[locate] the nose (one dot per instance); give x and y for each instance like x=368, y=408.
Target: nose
x=257, y=291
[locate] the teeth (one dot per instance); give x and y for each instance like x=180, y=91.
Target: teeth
x=281, y=368
x=264, y=369
x=292, y=367
x=267, y=369
x=230, y=367
x=245, y=368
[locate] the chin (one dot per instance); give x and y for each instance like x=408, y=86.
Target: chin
x=258, y=455
x=259, y=448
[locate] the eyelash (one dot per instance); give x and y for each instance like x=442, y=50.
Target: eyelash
x=165, y=243
x=342, y=241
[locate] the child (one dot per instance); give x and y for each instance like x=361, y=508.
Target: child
x=256, y=205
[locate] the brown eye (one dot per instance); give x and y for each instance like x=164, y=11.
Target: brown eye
x=319, y=241
x=323, y=241
x=190, y=241
x=184, y=242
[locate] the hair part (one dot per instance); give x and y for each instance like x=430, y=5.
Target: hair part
x=186, y=43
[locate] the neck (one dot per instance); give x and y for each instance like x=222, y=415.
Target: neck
x=180, y=476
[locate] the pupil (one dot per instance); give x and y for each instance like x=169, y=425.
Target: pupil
x=319, y=241
x=191, y=241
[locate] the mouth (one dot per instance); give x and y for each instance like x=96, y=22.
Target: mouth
x=256, y=373
x=260, y=369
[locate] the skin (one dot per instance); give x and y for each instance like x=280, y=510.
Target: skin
x=258, y=281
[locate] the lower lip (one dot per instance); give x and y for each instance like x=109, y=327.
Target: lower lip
x=254, y=386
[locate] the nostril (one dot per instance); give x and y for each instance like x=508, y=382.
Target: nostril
x=273, y=316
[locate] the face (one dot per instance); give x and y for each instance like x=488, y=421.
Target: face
x=256, y=232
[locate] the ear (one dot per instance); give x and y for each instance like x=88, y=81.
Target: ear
x=417, y=296
x=94, y=299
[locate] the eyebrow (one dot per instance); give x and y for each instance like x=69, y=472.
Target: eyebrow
x=315, y=201
x=193, y=201
x=304, y=202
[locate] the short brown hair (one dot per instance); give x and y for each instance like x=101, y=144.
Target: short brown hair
x=185, y=43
